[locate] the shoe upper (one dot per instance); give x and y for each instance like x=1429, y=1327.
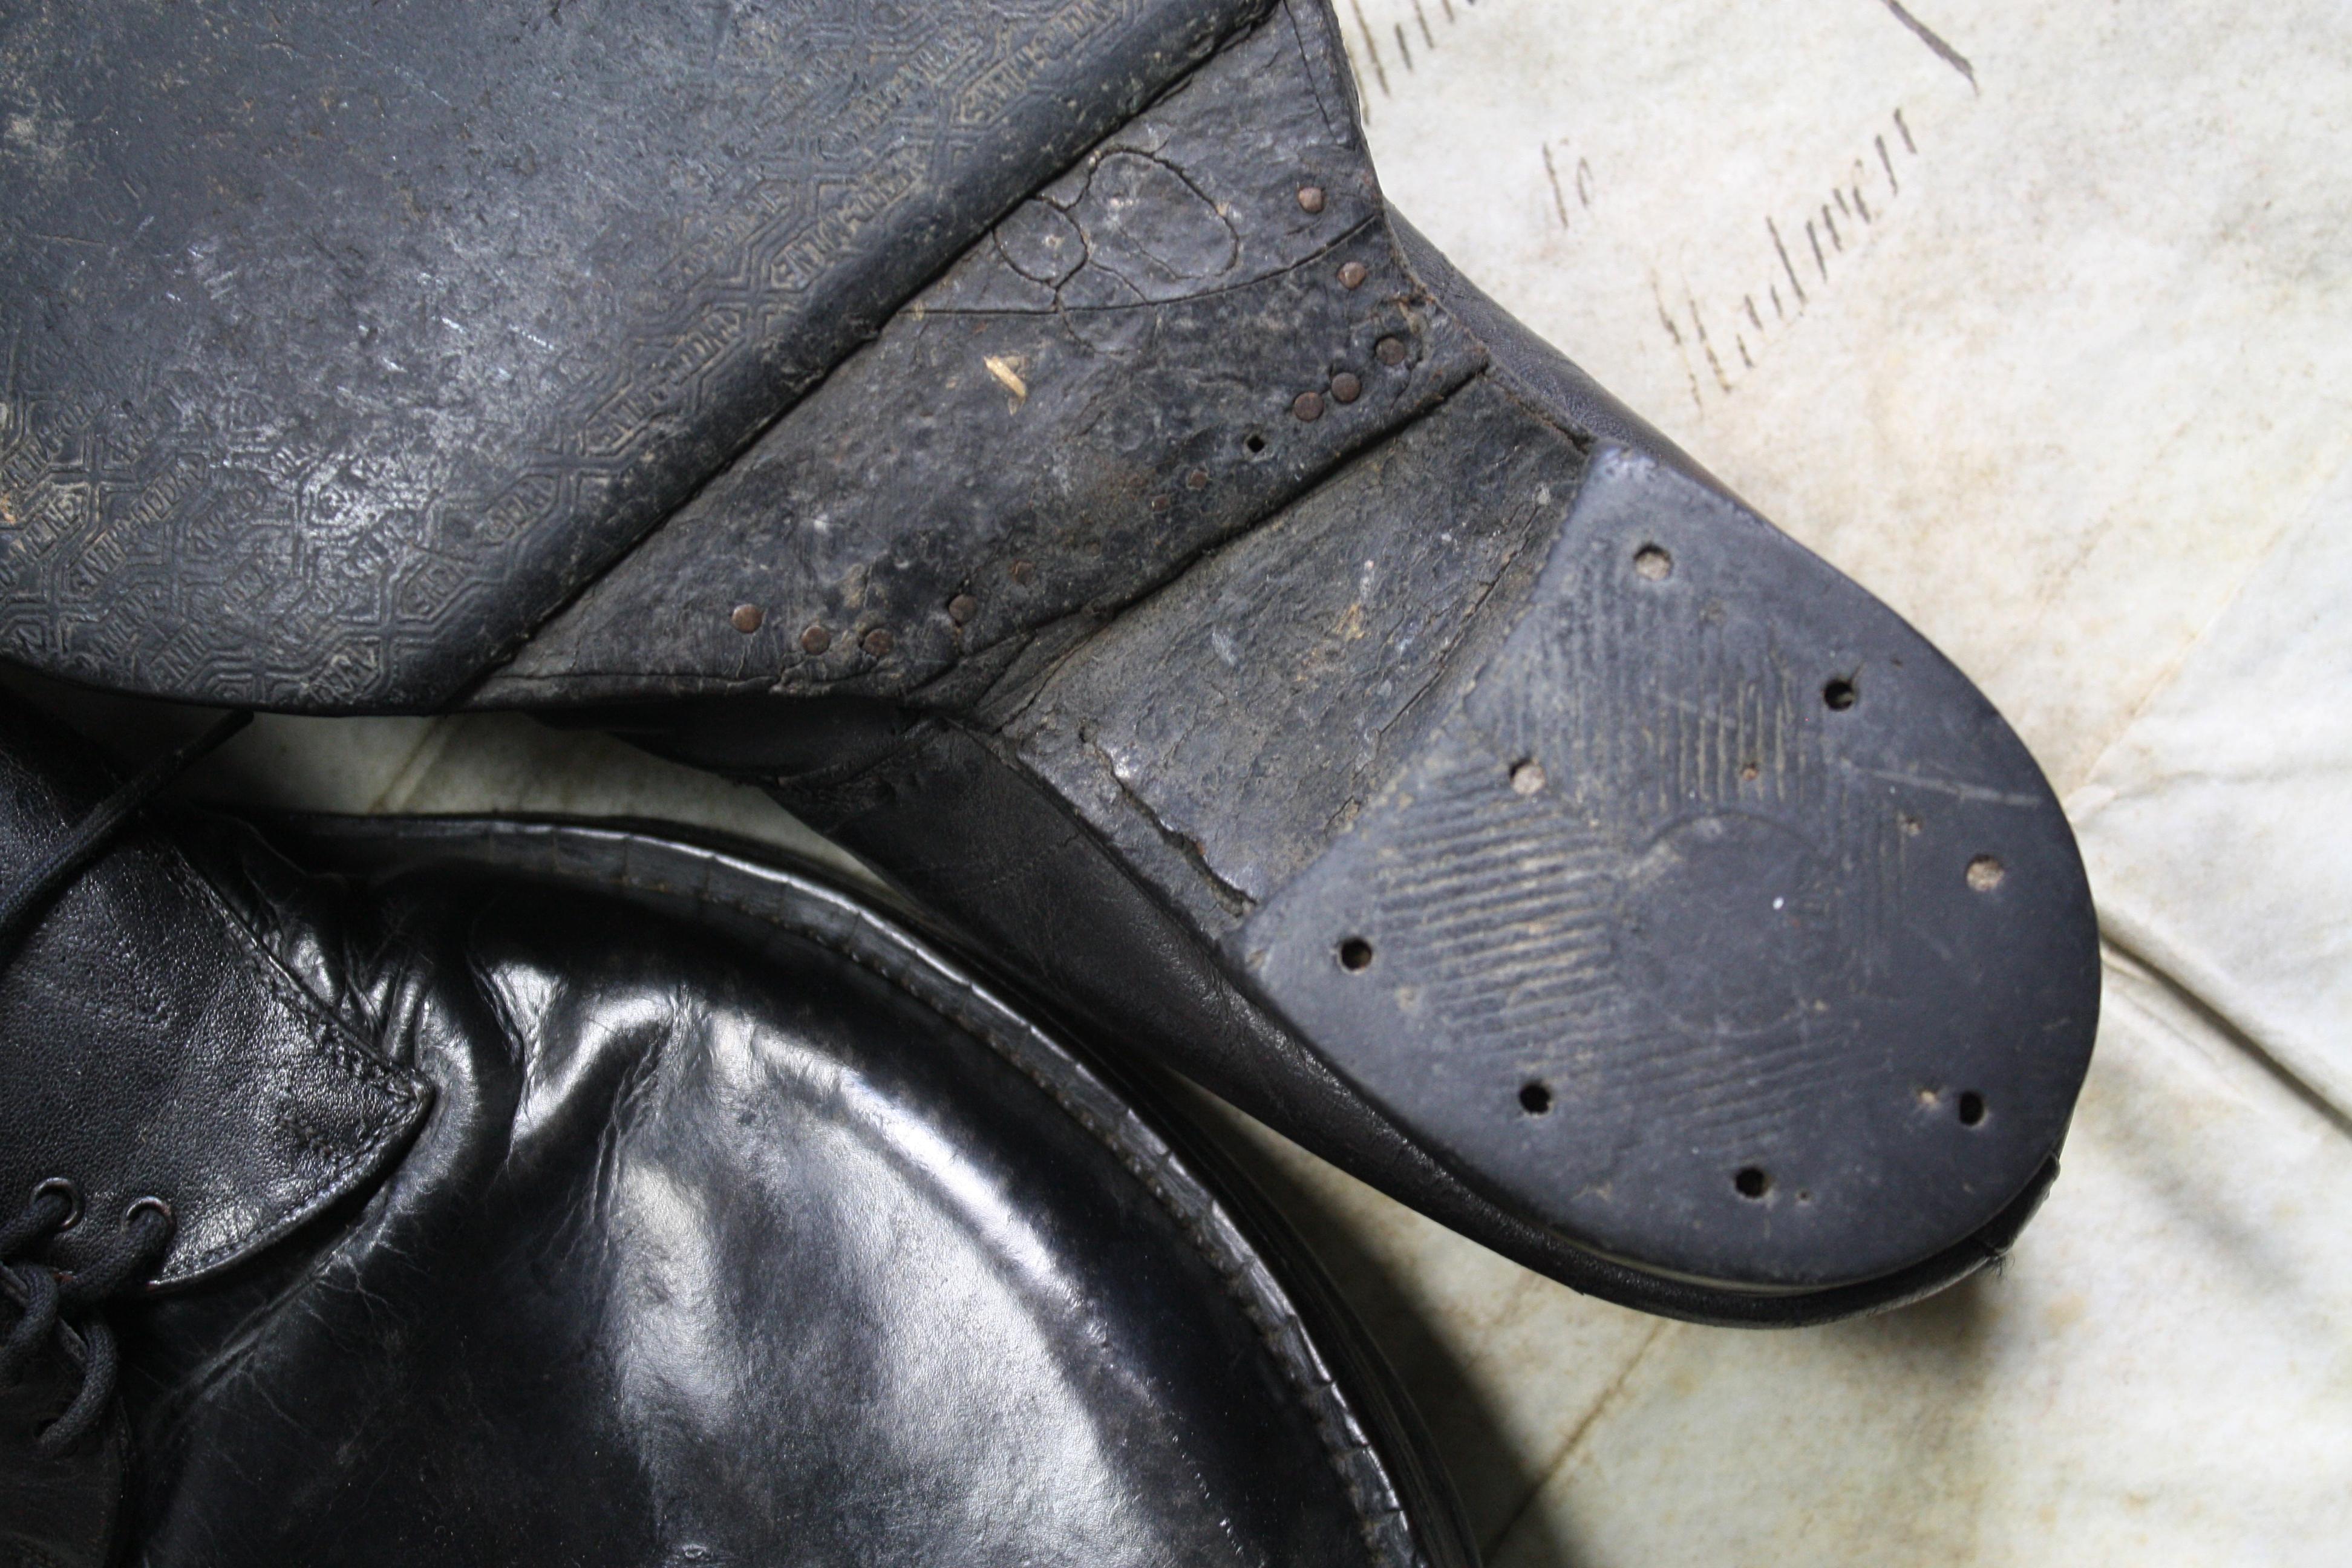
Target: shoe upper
x=704, y=1220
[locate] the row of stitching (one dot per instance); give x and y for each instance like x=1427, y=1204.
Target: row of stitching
x=327, y=1032
x=397, y=1094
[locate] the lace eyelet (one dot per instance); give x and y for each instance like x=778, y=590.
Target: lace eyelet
x=68, y=1191
x=150, y=1201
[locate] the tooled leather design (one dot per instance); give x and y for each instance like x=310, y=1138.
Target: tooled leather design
x=339, y=345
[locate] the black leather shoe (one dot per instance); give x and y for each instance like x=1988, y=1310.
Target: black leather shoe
x=1238, y=627
x=528, y=1195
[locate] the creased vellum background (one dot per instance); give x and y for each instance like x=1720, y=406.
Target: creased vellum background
x=2054, y=353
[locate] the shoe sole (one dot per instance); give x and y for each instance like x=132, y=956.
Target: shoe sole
x=1235, y=624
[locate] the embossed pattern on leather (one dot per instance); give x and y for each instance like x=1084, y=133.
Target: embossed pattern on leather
x=1103, y=387
x=338, y=345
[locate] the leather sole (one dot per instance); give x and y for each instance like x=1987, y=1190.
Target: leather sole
x=1248, y=637
x=1244, y=630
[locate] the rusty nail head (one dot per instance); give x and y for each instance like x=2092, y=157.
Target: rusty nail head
x=815, y=640
x=1344, y=387
x=877, y=642
x=1310, y=198
x=1023, y=574
x=747, y=618
x=1352, y=275
x=1307, y=405
x=961, y=608
x=1389, y=349
x=1198, y=480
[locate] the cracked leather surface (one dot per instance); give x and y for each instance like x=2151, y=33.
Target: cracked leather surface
x=1262, y=698
x=339, y=346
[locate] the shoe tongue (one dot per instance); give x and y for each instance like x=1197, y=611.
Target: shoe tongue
x=149, y=1047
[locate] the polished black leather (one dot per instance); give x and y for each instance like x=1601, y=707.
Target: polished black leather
x=149, y=1047
x=744, y=1228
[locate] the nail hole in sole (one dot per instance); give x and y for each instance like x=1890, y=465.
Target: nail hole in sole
x=1355, y=955
x=1751, y=1183
x=1653, y=563
x=1839, y=694
x=1527, y=777
x=1972, y=1108
x=1535, y=1099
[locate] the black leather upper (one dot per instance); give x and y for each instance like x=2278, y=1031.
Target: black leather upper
x=150, y=1048
x=743, y=1228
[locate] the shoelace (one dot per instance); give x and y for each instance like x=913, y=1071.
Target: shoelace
x=49, y=1302
x=48, y=1297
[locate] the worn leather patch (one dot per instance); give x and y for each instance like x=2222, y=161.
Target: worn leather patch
x=338, y=345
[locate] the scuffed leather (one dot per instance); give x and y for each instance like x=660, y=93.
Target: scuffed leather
x=341, y=343
x=1159, y=304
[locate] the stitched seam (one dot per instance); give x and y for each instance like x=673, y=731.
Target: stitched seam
x=398, y=1095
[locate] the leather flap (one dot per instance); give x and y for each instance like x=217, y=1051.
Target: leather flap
x=149, y=1047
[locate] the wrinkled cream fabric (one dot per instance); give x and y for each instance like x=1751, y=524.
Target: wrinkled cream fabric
x=2037, y=320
